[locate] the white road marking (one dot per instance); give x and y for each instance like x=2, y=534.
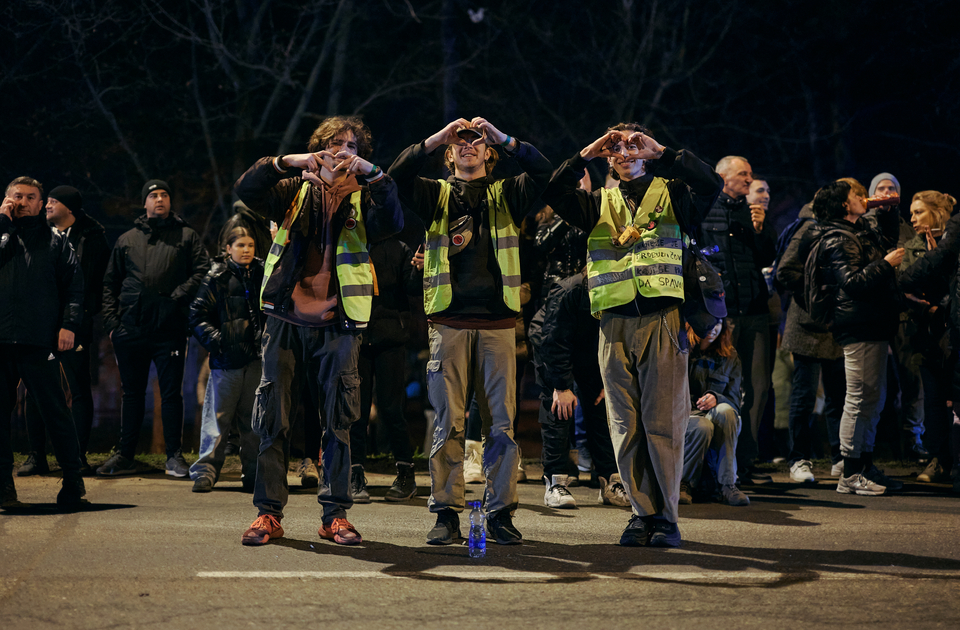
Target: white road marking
x=479, y=574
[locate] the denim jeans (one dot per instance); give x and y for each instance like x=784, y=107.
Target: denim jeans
x=865, y=366
x=228, y=401
x=803, y=399
x=716, y=429
x=323, y=360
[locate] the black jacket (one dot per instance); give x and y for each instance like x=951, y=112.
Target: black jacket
x=225, y=316
x=390, y=320
x=693, y=187
x=742, y=254
x=710, y=373
x=89, y=241
x=565, y=249
x=565, y=337
x=40, y=284
x=270, y=194
x=868, y=299
x=153, y=274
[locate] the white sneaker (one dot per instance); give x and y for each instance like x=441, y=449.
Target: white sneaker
x=473, y=462
x=801, y=472
x=858, y=484
x=557, y=495
x=837, y=469
x=612, y=492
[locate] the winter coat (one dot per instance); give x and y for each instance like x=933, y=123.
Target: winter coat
x=89, y=241
x=269, y=194
x=801, y=334
x=867, y=306
x=40, y=282
x=742, y=254
x=154, y=272
x=565, y=336
x=391, y=323
x=564, y=248
x=710, y=373
x=225, y=316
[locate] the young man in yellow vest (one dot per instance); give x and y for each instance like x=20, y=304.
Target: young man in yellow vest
x=634, y=275
x=471, y=297
x=317, y=291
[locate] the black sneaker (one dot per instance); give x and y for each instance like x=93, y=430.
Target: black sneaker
x=447, y=529
x=665, y=534
x=404, y=486
x=876, y=475
x=33, y=466
x=71, y=494
x=501, y=529
x=358, y=485
x=117, y=465
x=177, y=466
x=637, y=533
x=202, y=484
x=8, y=493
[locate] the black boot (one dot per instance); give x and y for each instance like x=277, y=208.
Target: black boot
x=404, y=486
x=71, y=494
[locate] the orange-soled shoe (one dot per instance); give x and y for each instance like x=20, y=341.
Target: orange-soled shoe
x=262, y=530
x=340, y=531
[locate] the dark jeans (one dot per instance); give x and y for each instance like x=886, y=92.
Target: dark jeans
x=40, y=372
x=324, y=361
x=555, y=434
x=751, y=338
x=133, y=360
x=382, y=370
x=803, y=399
x=76, y=368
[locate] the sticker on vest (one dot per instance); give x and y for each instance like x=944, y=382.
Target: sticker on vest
x=433, y=366
x=350, y=223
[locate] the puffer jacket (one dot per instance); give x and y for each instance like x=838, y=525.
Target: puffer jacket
x=40, y=282
x=741, y=256
x=225, y=316
x=710, y=373
x=868, y=300
x=565, y=249
x=153, y=274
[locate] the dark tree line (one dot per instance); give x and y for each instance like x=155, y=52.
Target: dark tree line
x=105, y=94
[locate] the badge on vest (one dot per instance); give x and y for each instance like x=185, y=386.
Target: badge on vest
x=350, y=223
x=627, y=237
x=461, y=231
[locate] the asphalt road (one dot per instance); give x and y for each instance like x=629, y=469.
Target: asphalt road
x=148, y=553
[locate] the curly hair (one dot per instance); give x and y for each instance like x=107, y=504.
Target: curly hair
x=332, y=127
x=939, y=204
x=829, y=200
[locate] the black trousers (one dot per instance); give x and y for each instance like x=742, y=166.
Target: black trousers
x=382, y=371
x=40, y=372
x=134, y=357
x=76, y=369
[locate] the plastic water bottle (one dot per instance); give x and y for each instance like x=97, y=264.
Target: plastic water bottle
x=712, y=249
x=478, y=531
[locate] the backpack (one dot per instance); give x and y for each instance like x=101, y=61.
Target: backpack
x=820, y=294
x=782, y=242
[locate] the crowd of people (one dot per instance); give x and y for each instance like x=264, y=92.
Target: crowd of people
x=657, y=301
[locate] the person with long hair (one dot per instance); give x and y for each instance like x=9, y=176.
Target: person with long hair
x=715, y=376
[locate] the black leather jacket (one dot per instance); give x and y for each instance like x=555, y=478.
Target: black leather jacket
x=225, y=316
x=564, y=248
x=868, y=298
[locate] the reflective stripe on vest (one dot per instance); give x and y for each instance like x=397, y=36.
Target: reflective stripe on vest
x=652, y=267
x=354, y=269
x=437, y=290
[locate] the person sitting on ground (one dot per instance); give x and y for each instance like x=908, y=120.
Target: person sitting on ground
x=226, y=319
x=715, y=380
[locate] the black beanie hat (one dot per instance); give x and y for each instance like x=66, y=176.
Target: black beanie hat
x=68, y=196
x=152, y=185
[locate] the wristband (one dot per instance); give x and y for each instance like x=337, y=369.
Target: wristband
x=507, y=141
x=376, y=173
x=276, y=164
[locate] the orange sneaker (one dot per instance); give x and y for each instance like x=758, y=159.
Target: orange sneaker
x=340, y=531
x=262, y=530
